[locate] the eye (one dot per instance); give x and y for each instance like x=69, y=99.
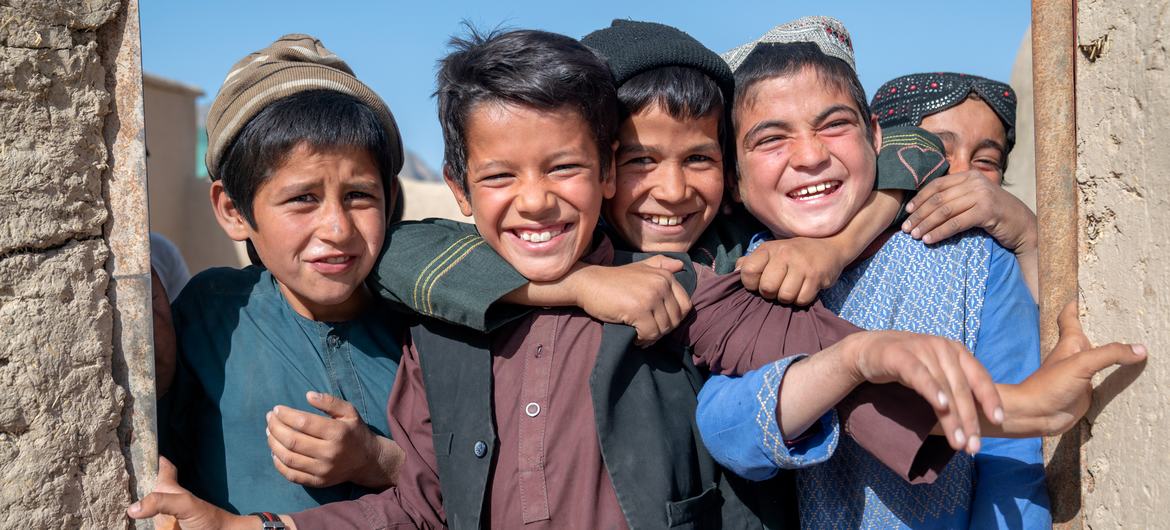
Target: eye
x=565, y=167
x=303, y=198
x=358, y=195
x=639, y=161
x=836, y=126
x=989, y=164
x=699, y=159
x=770, y=140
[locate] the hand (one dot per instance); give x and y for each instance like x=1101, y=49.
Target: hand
x=169, y=501
x=1057, y=395
x=316, y=451
x=940, y=370
x=954, y=203
x=643, y=295
x=793, y=271
x=165, y=345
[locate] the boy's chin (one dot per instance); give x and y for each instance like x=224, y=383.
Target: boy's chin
x=547, y=272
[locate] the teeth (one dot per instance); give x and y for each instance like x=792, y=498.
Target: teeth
x=539, y=237
x=664, y=220
x=336, y=260
x=814, y=189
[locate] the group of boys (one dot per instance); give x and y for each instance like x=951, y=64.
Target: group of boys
x=551, y=364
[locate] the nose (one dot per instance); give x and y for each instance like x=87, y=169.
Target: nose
x=336, y=225
x=534, y=197
x=959, y=163
x=809, y=152
x=670, y=184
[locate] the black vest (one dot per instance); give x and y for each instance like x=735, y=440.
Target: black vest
x=644, y=405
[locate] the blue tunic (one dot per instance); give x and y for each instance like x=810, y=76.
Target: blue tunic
x=967, y=289
x=244, y=350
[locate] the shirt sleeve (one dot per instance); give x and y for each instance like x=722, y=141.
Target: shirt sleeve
x=737, y=420
x=1010, y=489
x=444, y=269
x=910, y=157
x=416, y=500
x=732, y=331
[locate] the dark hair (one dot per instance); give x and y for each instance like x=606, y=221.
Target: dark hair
x=530, y=68
x=684, y=93
x=772, y=60
x=323, y=119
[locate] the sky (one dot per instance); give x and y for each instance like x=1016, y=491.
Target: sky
x=393, y=48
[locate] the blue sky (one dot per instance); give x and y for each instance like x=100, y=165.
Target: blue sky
x=393, y=48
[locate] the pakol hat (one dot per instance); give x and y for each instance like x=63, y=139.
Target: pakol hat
x=908, y=99
x=827, y=33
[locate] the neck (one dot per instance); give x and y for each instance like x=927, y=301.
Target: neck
x=347, y=310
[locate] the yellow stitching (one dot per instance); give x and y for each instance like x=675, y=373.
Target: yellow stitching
x=414, y=298
x=431, y=288
x=435, y=270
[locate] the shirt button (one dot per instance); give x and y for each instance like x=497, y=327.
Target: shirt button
x=532, y=409
x=333, y=341
x=480, y=449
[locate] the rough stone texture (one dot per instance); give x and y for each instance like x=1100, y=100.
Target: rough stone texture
x=60, y=461
x=1123, y=134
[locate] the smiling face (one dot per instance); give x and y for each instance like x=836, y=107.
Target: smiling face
x=806, y=164
x=669, y=180
x=320, y=221
x=973, y=137
x=534, y=186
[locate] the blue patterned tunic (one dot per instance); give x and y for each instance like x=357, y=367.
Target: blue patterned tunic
x=967, y=289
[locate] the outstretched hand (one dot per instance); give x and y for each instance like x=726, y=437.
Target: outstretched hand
x=169, y=503
x=1058, y=394
x=942, y=371
x=319, y=451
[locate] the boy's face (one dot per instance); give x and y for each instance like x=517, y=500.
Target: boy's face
x=534, y=186
x=669, y=180
x=320, y=221
x=973, y=137
x=806, y=165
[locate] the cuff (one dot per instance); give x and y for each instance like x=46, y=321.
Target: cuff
x=737, y=419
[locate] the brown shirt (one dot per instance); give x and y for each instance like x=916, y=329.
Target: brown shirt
x=549, y=471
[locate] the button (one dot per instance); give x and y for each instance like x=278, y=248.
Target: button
x=480, y=449
x=333, y=341
x=532, y=409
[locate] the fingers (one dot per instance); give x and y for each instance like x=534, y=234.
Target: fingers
x=179, y=505
x=772, y=278
x=931, y=189
x=919, y=377
x=305, y=422
x=664, y=262
x=751, y=269
x=964, y=401
x=1069, y=320
x=298, y=469
x=955, y=225
x=791, y=286
x=984, y=388
x=939, y=211
x=1092, y=361
x=292, y=438
x=334, y=406
x=808, y=293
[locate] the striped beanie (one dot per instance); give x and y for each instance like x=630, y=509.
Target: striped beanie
x=294, y=63
x=827, y=33
x=908, y=99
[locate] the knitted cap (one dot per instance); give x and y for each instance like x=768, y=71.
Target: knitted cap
x=827, y=33
x=632, y=47
x=908, y=99
x=294, y=63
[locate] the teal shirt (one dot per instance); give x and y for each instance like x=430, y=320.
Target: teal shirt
x=244, y=350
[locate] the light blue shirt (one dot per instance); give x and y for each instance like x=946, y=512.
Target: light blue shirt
x=967, y=289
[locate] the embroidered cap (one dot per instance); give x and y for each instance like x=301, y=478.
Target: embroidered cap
x=827, y=33
x=908, y=99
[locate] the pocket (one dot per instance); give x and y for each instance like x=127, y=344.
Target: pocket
x=701, y=511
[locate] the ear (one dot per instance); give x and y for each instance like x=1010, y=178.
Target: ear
x=457, y=190
x=877, y=132
x=230, y=218
x=609, y=183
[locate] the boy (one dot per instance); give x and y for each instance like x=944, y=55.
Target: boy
x=976, y=119
x=303, y=158
x=801, y=119
x=496, y=428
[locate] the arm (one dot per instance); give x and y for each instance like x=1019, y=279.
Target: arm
x=959, y=202
x=445, y=269
x=416, y=503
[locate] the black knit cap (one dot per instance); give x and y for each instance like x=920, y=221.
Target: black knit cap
x=632, y=47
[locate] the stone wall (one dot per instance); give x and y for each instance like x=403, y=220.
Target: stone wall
x=1123, y=137
x=65, y=429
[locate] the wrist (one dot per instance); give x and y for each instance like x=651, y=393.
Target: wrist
x=849, y=355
